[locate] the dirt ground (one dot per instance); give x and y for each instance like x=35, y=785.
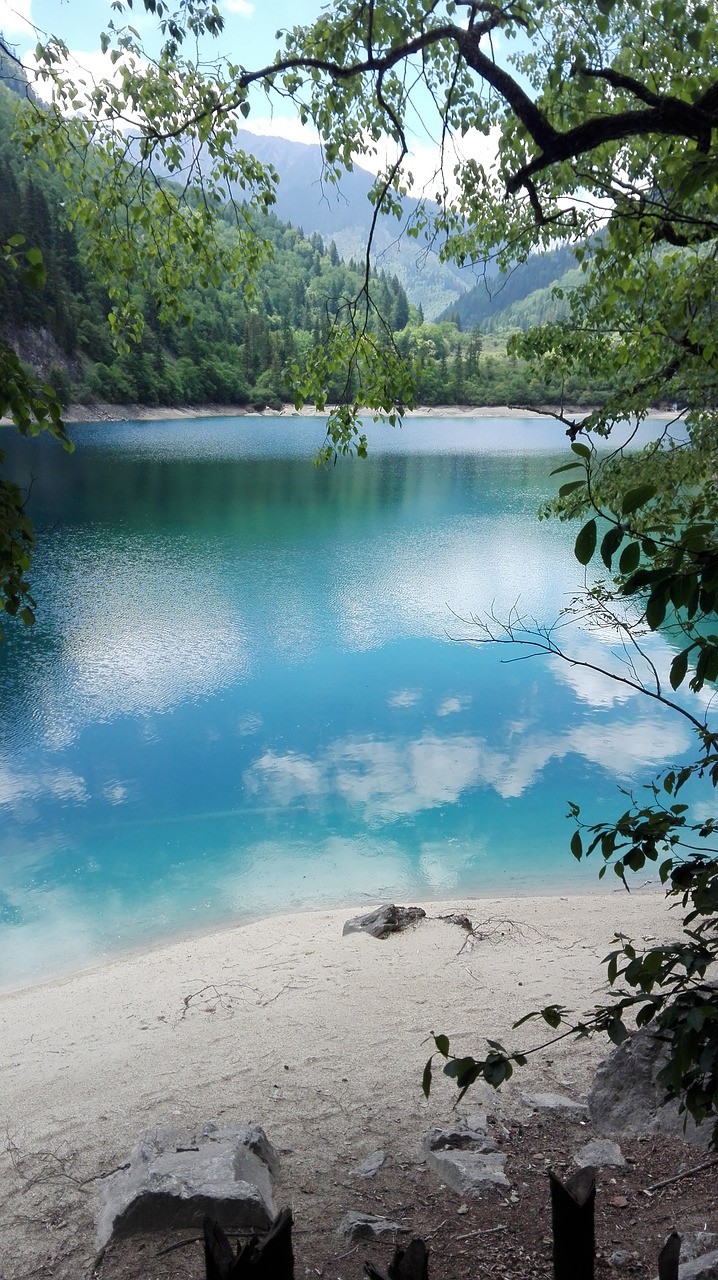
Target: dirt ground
x=503, y=1235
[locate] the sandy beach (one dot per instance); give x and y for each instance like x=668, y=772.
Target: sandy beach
x=320, y=1038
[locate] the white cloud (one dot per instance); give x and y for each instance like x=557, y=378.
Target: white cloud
x=15, y=19
x=16, y=787
x=450, y=706
x=288, y=778
x=390, y=780
x=404, y=698
x=242, y=7
x=249, y=723
x=115, y=792
x=429, y=172
x=289, y=127
x=85, y=68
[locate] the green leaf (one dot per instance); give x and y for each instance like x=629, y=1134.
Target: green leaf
x=442, y=1044
x=586, y=543
x=637, y=497
x=617, y=1031
x=629, y=558
x=610, y=544
x=426, y=1079
x=679, y=667
x=571, y=487
x=496, y=1070
x=552, y=1016
x=582, y=450
x=577, y=846
x=567, y=466
x=656, y=609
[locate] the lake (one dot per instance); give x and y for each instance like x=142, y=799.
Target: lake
x=251, y=686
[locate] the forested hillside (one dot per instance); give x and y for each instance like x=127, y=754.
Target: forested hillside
x=342, y=213
x=236, y=351
x=501, y=302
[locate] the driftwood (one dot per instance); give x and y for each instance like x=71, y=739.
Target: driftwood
x=268, y=1258
x=411, y=1263
x=572, y=1222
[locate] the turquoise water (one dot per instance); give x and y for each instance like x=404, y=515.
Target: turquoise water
x=247, y=691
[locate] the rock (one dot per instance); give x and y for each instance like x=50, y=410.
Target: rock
x=620, y=1258
x=471, y=1132
x=369, y=1167
x=601, y=1153
x=703, y=1268
x=626, y=1099
x=174, y=1178
x=696, y=1243
x=556, y=1102
x=384, y=920
x=465, y=1157
x=365, y=1226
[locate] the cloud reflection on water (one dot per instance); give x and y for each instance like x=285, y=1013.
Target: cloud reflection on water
x=390, y=778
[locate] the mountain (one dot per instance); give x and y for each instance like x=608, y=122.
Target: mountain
x=501, y=302
x=12, y=73
x=342, y=213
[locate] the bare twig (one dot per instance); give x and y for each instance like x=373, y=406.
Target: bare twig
x=687, y=1173
x=482, y=1231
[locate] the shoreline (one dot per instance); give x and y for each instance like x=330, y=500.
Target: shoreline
x=195, y=936
x=320, y=1038
x=105, y=412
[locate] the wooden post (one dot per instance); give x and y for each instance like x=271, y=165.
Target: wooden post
x=572, y=1214
x=270, y=1258
x=669, y=1258
x=411, y=1263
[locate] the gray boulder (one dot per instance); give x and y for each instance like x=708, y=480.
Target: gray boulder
x=465, y=1157
x=384, y=920
x=173, y=1178
x=601, y=1153
x=626, y=1099
x=695, y=1243
x=703, y=1268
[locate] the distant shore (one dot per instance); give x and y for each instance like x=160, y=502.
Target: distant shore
x=161, y=413
x=105, y=412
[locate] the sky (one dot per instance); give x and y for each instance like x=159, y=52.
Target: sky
x=249, y=38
